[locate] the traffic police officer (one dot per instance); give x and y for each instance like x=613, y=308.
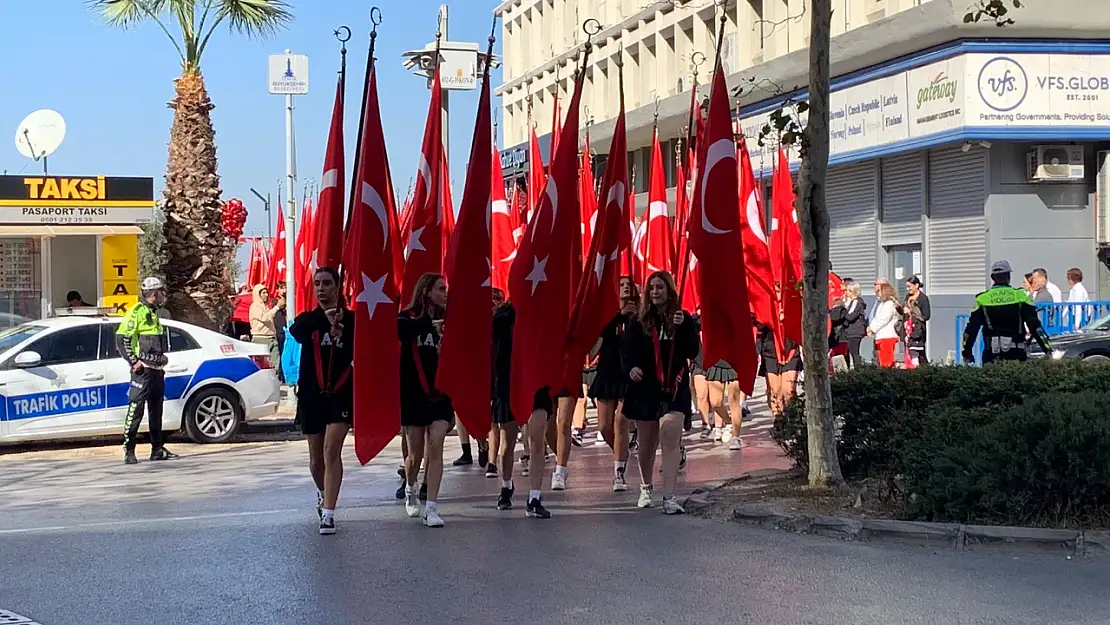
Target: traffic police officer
x=139, y=340
x=1006, y=316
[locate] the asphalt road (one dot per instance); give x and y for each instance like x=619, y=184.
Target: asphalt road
x=227, y=534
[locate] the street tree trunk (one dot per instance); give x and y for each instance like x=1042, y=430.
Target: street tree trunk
x=813, y=220
x=197, y=251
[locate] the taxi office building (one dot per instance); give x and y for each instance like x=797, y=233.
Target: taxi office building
x=70, y=233
x=952, y=144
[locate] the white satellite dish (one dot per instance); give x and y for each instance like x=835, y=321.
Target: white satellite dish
x=40, y=133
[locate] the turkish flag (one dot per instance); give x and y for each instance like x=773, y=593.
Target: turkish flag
x=502, y=225
x=464, y=372
x=630, y=264
x=328, y=248
x=598, y=296
x=377, y=384
x=536, y=177
x=255, y=264
x=556, y=123
x=681, y=212
x=786, y=257
x=542, y=275
x=659, y=247
x=276, y=270
x=587, y=198
x=716, y=239
x=757, y=253
x=424, y=236
x=305, y=290
x=836, y=289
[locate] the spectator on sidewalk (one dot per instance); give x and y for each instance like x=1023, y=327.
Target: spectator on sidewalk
x=884, y=326
x=1042, y=285
x=916, y=312
x=1078, y=295
x=879, y=282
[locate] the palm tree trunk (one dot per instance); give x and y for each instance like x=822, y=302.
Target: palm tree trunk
x=197, y=250
x=813, y=221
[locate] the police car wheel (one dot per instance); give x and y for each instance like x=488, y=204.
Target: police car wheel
x=1098, y=359
x=213, y=415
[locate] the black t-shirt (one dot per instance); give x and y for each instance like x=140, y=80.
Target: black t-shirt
x=312, y=330
x=609, y=363
x=418, y=338
x=639, y=351
x=504, y=318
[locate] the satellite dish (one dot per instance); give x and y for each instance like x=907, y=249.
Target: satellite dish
x=40, y=133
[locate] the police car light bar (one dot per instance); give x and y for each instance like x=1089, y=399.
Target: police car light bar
x=84, y=311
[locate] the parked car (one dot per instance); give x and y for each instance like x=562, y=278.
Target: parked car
x=8, y=320
x=63, y=378
x=1091, y=344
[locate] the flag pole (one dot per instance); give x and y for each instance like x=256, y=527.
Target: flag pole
x=375, y=20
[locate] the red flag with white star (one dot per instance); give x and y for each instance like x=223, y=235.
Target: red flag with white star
x=424, y=237
x=786, y=257
x=757, y=253
x=542, y=275
x=377, y=384
x=276, y=271
x=464, y=358
x=502, y=224
x=659, y=246
x=328, y=248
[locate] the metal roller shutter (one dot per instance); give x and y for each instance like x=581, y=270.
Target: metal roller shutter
x=852, y=199
x=956, y=257
x=903, y=199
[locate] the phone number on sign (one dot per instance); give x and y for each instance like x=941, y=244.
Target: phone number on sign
x=65, y=220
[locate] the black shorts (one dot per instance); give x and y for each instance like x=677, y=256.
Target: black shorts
x=316, y=414
x=771, y=364
x=421, y=412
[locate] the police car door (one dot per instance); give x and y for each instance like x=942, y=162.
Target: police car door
x=55, y=385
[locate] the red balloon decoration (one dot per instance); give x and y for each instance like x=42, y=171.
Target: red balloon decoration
x=234, y=217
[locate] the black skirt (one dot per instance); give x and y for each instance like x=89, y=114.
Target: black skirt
x=771, y=364
x=502, y=412
x=721, y=372
x=695, y=366
x=608, y=387
x=589, y=374
x=650, y=404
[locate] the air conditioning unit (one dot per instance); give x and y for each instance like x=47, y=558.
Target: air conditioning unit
x=1102, y=199
x=1054, y=162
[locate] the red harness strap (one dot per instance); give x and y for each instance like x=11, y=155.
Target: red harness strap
x=325, y=382
x=668, y=374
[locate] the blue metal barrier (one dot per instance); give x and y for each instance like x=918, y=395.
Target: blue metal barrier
x=1056, y=318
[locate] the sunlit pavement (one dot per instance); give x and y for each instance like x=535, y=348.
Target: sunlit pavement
x=227, y=534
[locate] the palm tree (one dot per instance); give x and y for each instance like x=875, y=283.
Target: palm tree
x=197, y=250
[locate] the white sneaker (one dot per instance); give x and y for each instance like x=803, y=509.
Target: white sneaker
x=726, y=434
x=671, y=506
x=412, y=504
x=734, y=444
x=600, y=439
x=645, y=497
x=558, y=481
x=717, y=434
x=431, y=518
x=619, y=485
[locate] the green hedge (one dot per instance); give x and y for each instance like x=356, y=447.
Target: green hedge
x=1017, y=443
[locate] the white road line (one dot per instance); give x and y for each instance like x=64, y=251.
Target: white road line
x=131, y=522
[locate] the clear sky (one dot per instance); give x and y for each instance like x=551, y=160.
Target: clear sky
x=112, y=86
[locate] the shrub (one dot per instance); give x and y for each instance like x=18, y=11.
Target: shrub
x=1045, y=461
x=957, y=437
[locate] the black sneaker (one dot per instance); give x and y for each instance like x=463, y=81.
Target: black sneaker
x=320, y=505
x=576, y=436
x=505, y=499
x=327, y=526
x=483, y=457
x=464, y=460
x=491, y=470
x=706, y=432
x=682, y=457
x=400, y=494
x=524, y=460
x=129, y=457
x=632, y=444
x=423, y=492
x=536, y=510
x=162, y=454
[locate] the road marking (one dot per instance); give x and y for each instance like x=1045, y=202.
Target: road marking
x=7, y=617
x=102, y=524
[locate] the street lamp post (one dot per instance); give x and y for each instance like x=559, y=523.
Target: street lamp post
x=266, y=207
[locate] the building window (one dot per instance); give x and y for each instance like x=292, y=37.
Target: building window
x=21, y=277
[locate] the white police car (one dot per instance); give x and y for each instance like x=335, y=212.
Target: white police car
x=63, y=378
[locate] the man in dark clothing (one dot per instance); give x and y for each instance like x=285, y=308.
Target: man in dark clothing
x=1006, y=316
x=325, y=397
x=280, y=321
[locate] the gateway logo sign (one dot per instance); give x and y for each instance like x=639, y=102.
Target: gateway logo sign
x=940, y=89
x=937, y=96
x=1003, y=84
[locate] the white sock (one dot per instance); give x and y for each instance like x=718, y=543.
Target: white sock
x=533, y=494
x=328, y=514
x=506, y=484
x=430, y=506
x=561, y=471
x=743, y=404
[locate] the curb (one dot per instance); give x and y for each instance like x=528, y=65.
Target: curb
x=1086, y=544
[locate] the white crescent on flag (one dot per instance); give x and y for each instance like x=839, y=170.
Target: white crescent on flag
x=330, y=179
x=722, y=150
x=374, y=201
x=755, y=220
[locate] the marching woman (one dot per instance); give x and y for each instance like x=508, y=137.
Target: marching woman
x=504, y=318
x=657, y=350
x=782, y=377
x=611, y=382
x=426, y=413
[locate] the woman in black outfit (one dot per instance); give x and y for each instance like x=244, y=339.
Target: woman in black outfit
x=426, y=413
x=658, y=347
x=782, y=377
x=851, y=323
x=611, y=381
x=504, y=318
